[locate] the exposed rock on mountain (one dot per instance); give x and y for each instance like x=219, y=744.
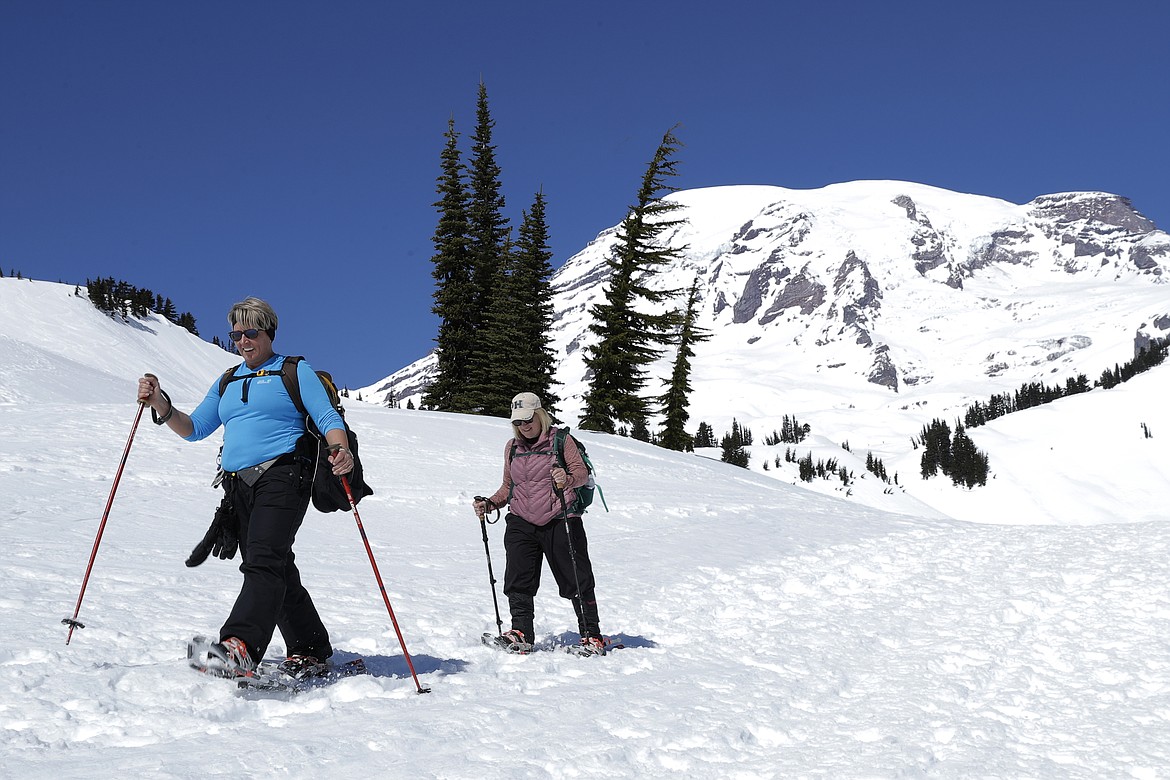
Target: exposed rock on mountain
x=889, y=292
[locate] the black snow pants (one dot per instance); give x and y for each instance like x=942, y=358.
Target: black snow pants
x=270, y=512
x=526, y=546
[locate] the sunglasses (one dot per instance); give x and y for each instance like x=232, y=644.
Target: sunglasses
x=236, y=335
x=518, y=423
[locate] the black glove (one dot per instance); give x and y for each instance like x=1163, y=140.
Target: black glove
x=222, y=538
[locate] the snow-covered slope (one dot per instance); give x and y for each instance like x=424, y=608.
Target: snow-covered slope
x=769, y=631
x=57, y=346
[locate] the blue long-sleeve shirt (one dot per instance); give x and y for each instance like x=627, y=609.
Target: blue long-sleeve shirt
x=268, y=425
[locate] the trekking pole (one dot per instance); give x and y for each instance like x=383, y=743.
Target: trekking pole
x=73, y=622
x=569, y=536
x=491, y=576
x=381, y=587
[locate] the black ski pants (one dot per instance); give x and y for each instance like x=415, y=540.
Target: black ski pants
x=270, y=512
x=526, y=546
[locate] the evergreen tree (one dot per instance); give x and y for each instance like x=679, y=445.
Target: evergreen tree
x=488, y=227
x=676, y=400
x=704, y=436
x=1110, y=379
x=628, y=338
x=532, y=295
x=502, y=333
x=488, y=245
x=957, y=458
x=93, y=288
x=140, y=303
x=791, y=431
x=734, y=452
x=122, y=298
x=936, y=448
x=187, y=320
x=740, y=434
x=876, y=467
x=454, y=297
x=969, y=466
x=494, y=300
x=806, y=469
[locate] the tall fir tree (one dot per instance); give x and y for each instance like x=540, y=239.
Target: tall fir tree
x=629, y=337
x=734, y=451
x=705, y=435
x=532, y=260
x=518, y=321
x=187, y=320
x=454, y=297
x=676, y=401
x=488, y=235
x=488, y=227
x=502, y=333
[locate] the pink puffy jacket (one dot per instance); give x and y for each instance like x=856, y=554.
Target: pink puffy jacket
x=528, y=485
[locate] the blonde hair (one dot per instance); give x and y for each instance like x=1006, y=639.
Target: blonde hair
x=253, y=313
x=545, y=421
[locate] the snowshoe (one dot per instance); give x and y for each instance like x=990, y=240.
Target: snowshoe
x=512, y=641
x=228, y=658
x=302, y=667
x=590, y=646
x=272, y=676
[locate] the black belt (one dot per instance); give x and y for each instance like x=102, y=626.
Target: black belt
x=252, y=474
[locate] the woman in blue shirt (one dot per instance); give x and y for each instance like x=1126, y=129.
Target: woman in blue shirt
x=268, y=487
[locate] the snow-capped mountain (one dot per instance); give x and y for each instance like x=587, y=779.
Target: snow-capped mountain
x=900, y=286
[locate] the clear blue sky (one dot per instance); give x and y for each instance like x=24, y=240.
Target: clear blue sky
x=289, y=150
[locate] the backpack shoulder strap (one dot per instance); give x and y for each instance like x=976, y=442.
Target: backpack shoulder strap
x=227, y=377
x=559, y=446
x=292, y=382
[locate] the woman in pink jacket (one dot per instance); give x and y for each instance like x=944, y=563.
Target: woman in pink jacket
x=537, y=490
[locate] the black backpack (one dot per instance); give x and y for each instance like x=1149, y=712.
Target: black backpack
x=328, y=493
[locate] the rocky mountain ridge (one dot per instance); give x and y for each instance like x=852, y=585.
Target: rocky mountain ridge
x=880, y=293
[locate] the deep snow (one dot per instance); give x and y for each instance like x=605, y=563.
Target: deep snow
x=770, y=631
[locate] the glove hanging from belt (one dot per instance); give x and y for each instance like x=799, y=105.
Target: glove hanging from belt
x=222, y=538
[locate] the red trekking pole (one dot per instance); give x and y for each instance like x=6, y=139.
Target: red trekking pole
x=73, y=622
x=381, y=587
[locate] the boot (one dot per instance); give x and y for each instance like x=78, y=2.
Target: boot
x=588, y=624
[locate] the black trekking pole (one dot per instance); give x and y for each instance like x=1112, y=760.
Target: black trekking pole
x=381, y=587
x=569, y=536
x=491, y=576
x=73, y=622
